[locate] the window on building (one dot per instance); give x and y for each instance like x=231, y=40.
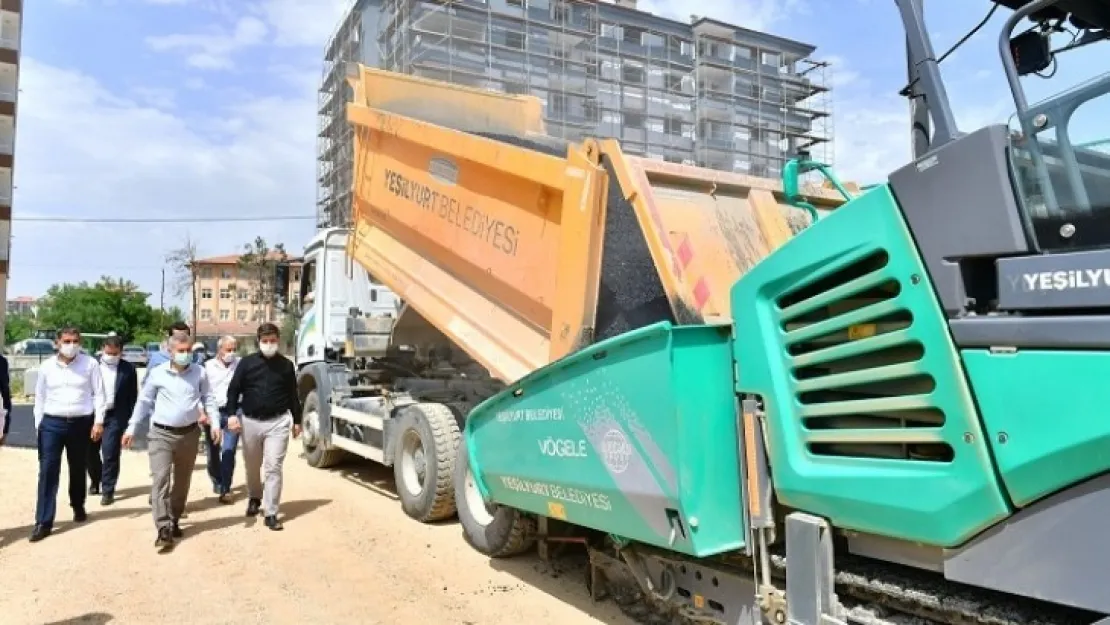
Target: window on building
x=560, y=12
x=244, y=274
x=243, y=294
x=632, y=73
x=206, y=293
x=673, y=126
x=225, y=294
x=225, y=314
x=516, y=3
x=206, y=272
x=633, y=35
x=226, y=274
x=634, y=120
x=514, y=40
x=373, y=295
x=673, y=82
x=774, y=59
x=206, y=313
x=557, y=104
x=241, y=315
x=590, y=110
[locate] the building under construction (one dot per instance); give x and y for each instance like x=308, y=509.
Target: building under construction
x=701, y=92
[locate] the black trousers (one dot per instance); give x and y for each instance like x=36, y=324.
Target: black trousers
x=55, y=436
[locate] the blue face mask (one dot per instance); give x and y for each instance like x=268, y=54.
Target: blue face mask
x=182, y=358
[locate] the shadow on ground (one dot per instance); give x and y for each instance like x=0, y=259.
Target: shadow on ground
x=370, y=475
x=92, y=618
x=564, y=578
x=290, y=512
x=64, y=524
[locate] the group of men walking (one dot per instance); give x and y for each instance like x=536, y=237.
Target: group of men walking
x=91, y=408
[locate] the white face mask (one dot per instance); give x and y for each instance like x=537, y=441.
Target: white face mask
x=228, y=358
x=268, y=349
x=182, y=358
x=110, y=359
x=69, y=350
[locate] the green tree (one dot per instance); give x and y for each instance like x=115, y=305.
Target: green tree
x=18, y=327
x=110, y=305
x=259, y=263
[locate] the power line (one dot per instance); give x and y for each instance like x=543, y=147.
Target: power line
x=163, y=220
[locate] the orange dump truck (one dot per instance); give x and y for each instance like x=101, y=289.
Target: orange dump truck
x=483, y=249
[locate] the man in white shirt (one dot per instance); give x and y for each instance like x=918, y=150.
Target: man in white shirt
x=69, y=411
x=221, y=452
x=177, y=399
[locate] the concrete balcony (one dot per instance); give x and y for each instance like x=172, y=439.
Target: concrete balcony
x=10, y=25
x=5, y=240
x=9, y=82
x=7, y=134
x=5, y=187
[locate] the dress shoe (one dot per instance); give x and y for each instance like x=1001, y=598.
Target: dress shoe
x=253, y=506
x=79, y=515
x=164, y=539
x=177, y=533
x=273, y=523
x=107, y=499
x=94, y=489
x=40, y=532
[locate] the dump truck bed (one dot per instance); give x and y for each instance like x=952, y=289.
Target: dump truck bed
x=522, y=248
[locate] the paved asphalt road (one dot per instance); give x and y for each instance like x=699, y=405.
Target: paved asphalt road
x=22, y=432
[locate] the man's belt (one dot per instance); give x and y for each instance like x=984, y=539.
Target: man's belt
x=175, y=429
x=266, y=416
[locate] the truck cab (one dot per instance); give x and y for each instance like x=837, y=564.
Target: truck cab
x=333, y=289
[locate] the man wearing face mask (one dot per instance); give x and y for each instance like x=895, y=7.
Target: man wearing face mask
x=221, y=455
x=178, y=399
x=121, y=389
x=265, y=385
x=69, y=410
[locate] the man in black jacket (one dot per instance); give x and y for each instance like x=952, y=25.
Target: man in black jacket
x=264, y=385
x=6, y=392
x=121, y=390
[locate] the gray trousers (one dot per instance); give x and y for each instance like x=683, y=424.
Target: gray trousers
x=172, y=458
x=264, y=446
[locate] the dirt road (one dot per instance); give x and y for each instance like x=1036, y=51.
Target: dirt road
x=347, y=555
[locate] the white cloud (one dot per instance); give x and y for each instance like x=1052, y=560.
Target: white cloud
x=215, y=49
x=301, y=23
x=872, y=122
x=751, y=14
x=86, y=151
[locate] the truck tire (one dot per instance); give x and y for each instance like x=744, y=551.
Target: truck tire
x=498, y=533
x=423, y=460
x=316, y=451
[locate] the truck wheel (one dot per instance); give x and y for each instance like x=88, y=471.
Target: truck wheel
x=315, y=448
x=497, y=531
x=423, y=460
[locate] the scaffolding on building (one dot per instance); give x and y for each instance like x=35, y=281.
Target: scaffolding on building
x=334, y=137
x=706, y=93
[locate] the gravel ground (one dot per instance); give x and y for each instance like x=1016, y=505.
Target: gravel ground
x=347, y=555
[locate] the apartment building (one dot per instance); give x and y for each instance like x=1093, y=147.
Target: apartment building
x=11, y=28
x=702, y=92
x=23, y=305
x=228, y=299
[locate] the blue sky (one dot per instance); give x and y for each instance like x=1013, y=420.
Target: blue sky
x=207, y=108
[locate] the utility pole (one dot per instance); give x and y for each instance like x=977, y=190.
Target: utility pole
x=162, y=304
